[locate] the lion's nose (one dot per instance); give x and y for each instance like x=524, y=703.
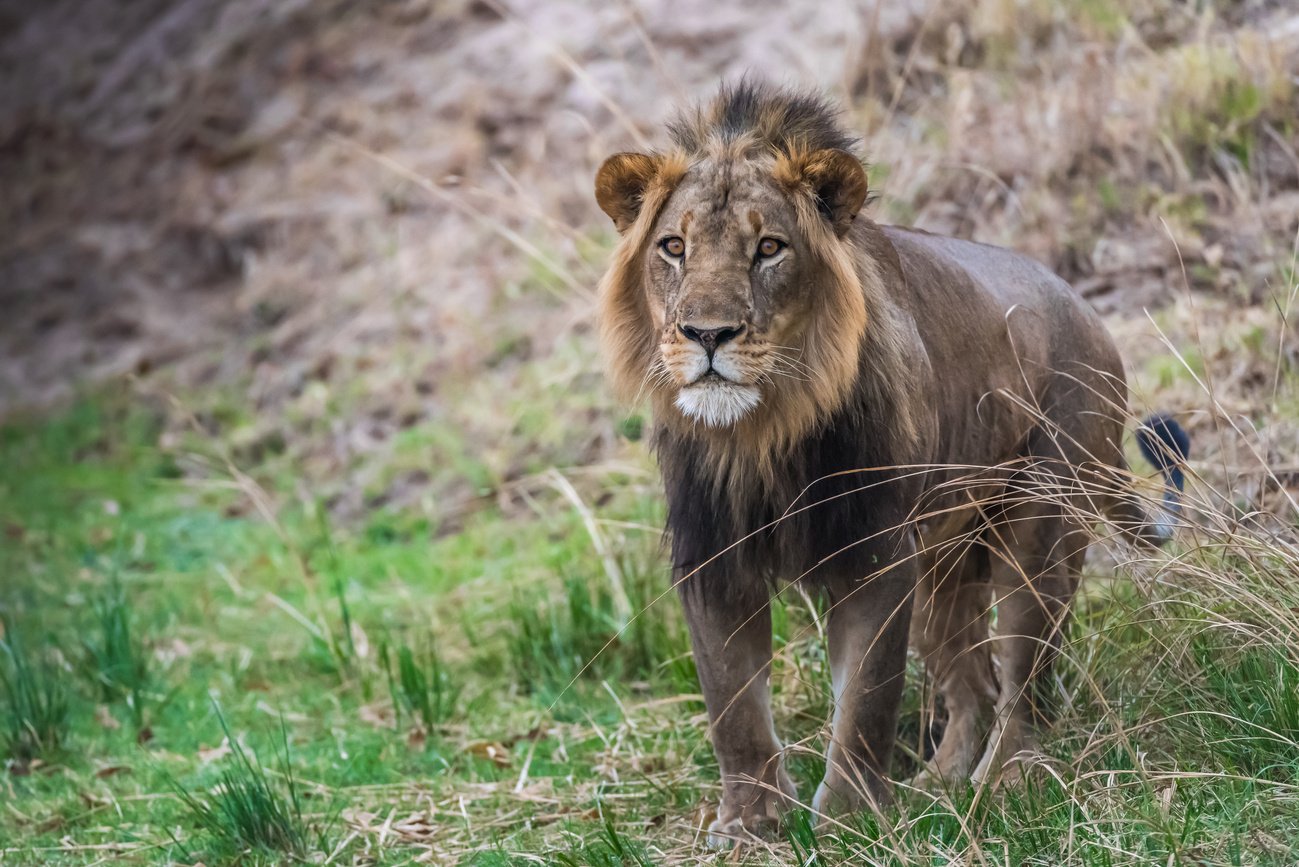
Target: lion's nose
x=711, y=338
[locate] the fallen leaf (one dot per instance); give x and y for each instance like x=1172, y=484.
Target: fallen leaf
x=648, y=764
x=535, y=733
x=495, y=753
x=208, y=756
x=93, y=801
x=105, y=718
x=170, y=651
x=376, y=714
x=112, y=771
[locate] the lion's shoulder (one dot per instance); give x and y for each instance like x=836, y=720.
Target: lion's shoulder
x=942, y=264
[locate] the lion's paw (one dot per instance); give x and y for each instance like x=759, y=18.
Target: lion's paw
x=933, y=783
x=929, y=782
x=1010, y=753
x=756, y=819
x=737, y=831
x=837, y=797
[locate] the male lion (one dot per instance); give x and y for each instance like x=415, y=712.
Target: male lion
x=881, y=413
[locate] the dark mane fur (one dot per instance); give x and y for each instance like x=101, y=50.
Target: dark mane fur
x=814, y=514
x=777, y=117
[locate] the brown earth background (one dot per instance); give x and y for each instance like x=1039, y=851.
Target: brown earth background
x=309, y=228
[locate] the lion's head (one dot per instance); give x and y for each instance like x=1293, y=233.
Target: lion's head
x=735, y=297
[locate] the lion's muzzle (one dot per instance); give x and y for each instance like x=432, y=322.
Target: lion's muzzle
x=714, y=389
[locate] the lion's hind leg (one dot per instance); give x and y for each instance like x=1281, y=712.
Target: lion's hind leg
x=1037, y=558
x=950, y=629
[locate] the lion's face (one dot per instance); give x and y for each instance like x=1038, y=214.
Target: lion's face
x=727, y=280
x=730, y=288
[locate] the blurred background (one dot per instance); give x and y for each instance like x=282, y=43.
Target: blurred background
x=325, y=225
x=299, y=393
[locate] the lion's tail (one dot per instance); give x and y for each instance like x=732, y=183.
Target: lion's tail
x=1166, y=445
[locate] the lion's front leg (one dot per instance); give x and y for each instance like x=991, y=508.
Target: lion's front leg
x=732, y=648
x=867, y=627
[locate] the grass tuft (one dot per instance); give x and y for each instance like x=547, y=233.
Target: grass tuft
x=611, y=848
x=580, y=633
x=1255, y=693
x=34, y=720
x=420, y=685
x=342, y=645
x=248, y=808
x=339, y=640
x=115, y=658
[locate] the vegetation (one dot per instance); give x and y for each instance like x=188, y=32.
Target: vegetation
x=35, y=705
x=115, y=660
x=532, y=695
x=248, y=812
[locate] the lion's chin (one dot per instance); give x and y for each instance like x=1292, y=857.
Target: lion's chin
x=716, y=402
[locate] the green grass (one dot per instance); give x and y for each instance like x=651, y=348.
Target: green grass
x=420, y=685
x=115, y=660
x=554, y=639
x=515, y=693
x=251, y=811
x=35, y=710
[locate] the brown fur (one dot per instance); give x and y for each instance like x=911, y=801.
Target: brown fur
x=886, y=410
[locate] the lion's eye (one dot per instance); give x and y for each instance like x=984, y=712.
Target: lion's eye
x=769, y=247
x=674, y=247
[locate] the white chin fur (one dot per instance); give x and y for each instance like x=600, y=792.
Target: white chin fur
x=717, y=404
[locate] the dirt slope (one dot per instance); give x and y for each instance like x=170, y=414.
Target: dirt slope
x=353, y=221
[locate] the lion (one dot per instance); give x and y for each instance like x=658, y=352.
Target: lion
x=916, y=426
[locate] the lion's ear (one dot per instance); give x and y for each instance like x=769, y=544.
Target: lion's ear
x=620, y=186
x=838, y=180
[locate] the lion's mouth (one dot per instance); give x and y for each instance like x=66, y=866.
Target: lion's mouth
x=717, y=401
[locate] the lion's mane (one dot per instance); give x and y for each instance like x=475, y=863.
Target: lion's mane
x=859, y=406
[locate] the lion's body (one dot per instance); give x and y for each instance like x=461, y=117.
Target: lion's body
x=993, y=336
x=889, y=416
x=1011, y=348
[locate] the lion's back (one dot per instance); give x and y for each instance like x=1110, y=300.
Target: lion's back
x=995, y=322
x=986, y=295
